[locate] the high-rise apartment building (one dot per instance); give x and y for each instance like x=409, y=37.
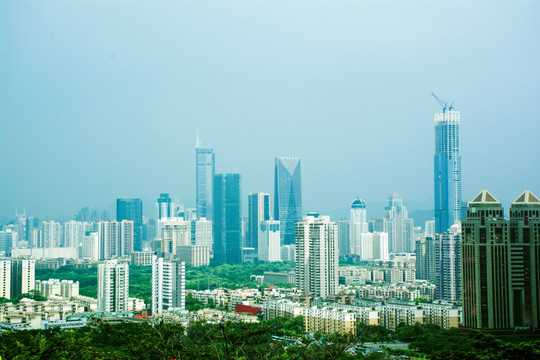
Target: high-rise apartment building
x=501, y=260
x=131, y=209
x=74, y=232
x=115, y=238
x=204, y=179
x=269, y=239
x=5, y=278
x=168, y=284
x=400, y=227
x=425, y=259
x=358, y=226
x=258, y=210
x=51, y=233
x=227, y=219
x=317, y=256
x=23, y=276
x=374, y=246
x=113, y=286
x=287, y=196
x=447, y=170
x=447, y=264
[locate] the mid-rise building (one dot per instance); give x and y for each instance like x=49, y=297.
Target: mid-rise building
x=168, y=284
x=194, y=255
x=113, y=286
x=269, y=241
x=287, y=196
x=227, y=219
x=317, y=256
x=447, y=170
x=142, y=258
x=500, y=261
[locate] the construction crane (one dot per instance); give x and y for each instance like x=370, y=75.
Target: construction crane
x=444, y=104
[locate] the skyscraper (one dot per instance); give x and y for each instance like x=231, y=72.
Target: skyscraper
x=358, y=226
x=227, y=227
x=23, y=276
x=287, y=196
x=165, y=206
x=258, y=210
x=501, y=260
x=400, y=227
x=131, y=209
x=448, y=264
x=113, y=286
x=317, y=256
x=205, y=171
x=447, y=170
x=168, y=284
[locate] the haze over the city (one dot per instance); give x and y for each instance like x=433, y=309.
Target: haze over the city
x=100, y=100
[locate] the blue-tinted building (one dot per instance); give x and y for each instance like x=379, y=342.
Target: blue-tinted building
x=227, y=222
x=131, y=209
x=258, y=210
x=287, y=196
x=164, y=206
x=205, y=163
x=447, y=170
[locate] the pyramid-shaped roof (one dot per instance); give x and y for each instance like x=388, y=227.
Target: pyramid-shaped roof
x=484, y=197
x=526, y=197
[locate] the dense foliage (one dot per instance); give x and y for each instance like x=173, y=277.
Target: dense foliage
x=33, y=294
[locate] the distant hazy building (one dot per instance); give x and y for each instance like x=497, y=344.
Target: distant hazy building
x=374, y=246
x=165, y=206
x=142, y=258
x=358, y=225
x=448, y=264
x=174, y=232
x=227, y=219
x=51, y=234
x=204, y=180
x=344, y=237
x=500, y=260
x=8, y=239
x=74, y=232
x=317, y=256
x=168, y=284
x=90, y=248
x=288, y=253
x=447, y=170
x=399, y=227
x=429, y=228
x=258, y=210
x=287, y=196
x=113, y=286
x=269, y=239
x=22, y=276
x=132, y=209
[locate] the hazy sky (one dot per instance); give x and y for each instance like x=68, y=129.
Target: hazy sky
x=102, y=99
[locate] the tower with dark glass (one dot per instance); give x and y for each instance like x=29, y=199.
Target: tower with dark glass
x=287, y=196
x=131, y=209
x=227, y=225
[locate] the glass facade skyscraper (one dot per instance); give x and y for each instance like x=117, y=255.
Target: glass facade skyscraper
x=131, y=209
x=287, y=196
x=447, y=170
x=227, y=227
x=205, y=163
x=258, y=210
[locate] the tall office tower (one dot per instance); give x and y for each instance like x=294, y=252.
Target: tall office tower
x=115, y=238
x=400, y=227
x=51, y=233
x=31, y=224
x=165, y=206
x=22, y=225
x=500, y=262
x=205, y=172
x=358, y=226
x=113, y=286
x=429, y=228
x=168, y=284
x=317, y=256
x=287, y=196
x=447, y=170
x=344, y=243
x=425, y=259
x=258, y=210
x=378, y=225
x=8, y=239
x=5, y=278
x=23, y=276
x=269, y=248
x=74, y=232
x=448, y=264
x=149, y=229
x=131, y=209
x=227, y=219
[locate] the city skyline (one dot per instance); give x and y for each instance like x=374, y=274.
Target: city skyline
x=353, y=95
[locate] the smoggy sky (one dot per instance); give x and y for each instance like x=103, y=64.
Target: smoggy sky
x=102, y=99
